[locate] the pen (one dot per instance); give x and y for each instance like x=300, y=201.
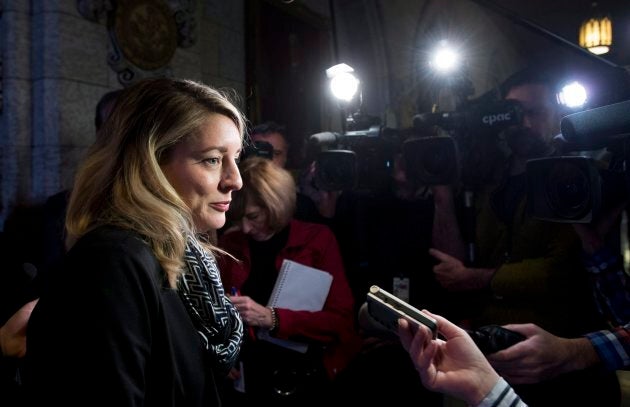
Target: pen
x=250, y=329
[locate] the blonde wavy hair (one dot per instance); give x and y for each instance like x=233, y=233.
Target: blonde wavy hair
x=120, y=183
x=268, y=186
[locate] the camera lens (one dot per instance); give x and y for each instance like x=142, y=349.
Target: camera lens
x=430, y=160
x=435, y=160
x=567, y=189
x=336, y=170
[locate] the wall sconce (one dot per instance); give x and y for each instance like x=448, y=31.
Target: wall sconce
x=596, y=33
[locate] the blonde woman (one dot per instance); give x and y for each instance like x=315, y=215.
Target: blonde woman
x=267, y=234
x=138, y=316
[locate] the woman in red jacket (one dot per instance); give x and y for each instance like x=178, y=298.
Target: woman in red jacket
x=265, y=235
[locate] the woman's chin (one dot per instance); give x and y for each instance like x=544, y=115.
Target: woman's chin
x=210, y=224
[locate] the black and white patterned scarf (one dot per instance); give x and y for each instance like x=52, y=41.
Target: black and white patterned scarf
x=215, y=317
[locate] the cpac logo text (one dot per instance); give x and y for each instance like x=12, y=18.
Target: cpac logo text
x=496, y=118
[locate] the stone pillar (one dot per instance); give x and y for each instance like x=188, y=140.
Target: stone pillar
x=70, y=73
x=15, y=117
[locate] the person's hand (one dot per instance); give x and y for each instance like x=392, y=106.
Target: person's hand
x=13, y=332
x=325, y=201
x=454, y=366
x=306, y=183
x=327, y=205
x=442, y=195
x=453, y=275
x=541, y=356
x=253, y=313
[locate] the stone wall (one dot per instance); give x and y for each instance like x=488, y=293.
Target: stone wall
x=54, y=71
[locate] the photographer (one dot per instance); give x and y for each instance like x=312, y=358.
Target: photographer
x=604, y=263
x=312, y=205
x=274, y=134
x=525, y=270
x=544, y=355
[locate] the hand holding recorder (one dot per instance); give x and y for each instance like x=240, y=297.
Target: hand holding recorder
x=387, y=309
x=453, y=366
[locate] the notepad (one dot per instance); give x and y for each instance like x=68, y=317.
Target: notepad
x=299, y=288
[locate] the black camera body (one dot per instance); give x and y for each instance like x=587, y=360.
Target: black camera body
x=440, y=160
x=431, y=160
x=356, y=160
x=428, y=159
x=574, y=189
x=563, y=189
x=475, y=117
x=493, y=338
x=259, y=149
x=337, y=170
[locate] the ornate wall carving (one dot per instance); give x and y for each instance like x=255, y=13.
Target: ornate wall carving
x=144, y=34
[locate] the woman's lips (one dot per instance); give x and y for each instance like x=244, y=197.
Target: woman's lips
x=221, y=206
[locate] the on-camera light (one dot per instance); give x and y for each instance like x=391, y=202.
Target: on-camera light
x=445, y=59
x=573, y=95
x=343, y=84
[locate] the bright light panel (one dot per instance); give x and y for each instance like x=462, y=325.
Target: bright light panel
x=445, y=59
x=338, y=69
x=573, y=95
x=344, y=86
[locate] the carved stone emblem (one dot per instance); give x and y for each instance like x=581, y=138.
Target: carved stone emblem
x=146, y=33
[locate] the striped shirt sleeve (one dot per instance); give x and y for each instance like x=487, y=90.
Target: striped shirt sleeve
x=610, y=285
x=502, y=395
x=612, y=346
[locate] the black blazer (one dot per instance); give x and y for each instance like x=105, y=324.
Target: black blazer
x=109, y=331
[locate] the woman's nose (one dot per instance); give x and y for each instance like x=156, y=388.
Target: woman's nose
x=231, y=178
x=246, y=226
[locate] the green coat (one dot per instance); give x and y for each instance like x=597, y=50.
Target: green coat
x=540, y=276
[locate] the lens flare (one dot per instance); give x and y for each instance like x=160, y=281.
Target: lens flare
x=573, y=95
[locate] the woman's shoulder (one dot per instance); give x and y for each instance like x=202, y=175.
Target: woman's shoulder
x=115, y=258
x=113, y=237
x=107, y=244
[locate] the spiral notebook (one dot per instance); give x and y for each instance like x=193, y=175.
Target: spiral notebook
x=299, y=288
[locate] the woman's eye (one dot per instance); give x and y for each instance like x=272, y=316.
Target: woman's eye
x=213, y=160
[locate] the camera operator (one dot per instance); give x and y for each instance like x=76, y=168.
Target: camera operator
x=274, y=134
x=525, y=270
x=312, y=205
x=391, y=230
x=544, y=355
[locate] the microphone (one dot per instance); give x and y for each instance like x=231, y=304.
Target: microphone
x=326, y=137
x=585, y=128
x=487, y=117
x=448, y=120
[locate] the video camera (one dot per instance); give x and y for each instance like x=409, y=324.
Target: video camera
x=356, y=159
x=475, y=117
x=439, y=160
x=363, y=159
x=260, y=149
x=573, y=189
